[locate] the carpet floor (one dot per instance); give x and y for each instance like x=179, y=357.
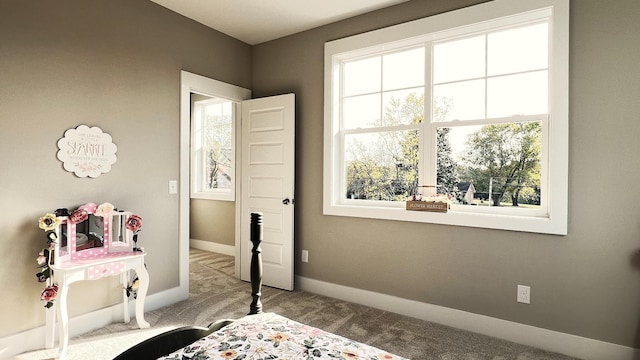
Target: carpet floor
x=216, y=294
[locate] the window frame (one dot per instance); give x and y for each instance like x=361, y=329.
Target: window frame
x=458, y=23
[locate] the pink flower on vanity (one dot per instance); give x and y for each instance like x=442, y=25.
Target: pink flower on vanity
x=78, y=216
x=134, y=223
x=105, y=209
x=49, y=294
x=42, y=259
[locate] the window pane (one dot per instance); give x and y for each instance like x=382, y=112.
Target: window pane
x=381, y=166
x=362, y=76
x=459, y=101
x=218, y=146
x=456, y=138
x=403, y=69
x=362, y=111
x=459, y=60
x=491, y=165
x=403, y=107
x=522, y=94
x=517, y=50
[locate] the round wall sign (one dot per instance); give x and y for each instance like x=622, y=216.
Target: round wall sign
x=87, y=151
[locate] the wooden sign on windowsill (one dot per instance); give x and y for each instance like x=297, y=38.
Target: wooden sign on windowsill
x=432, y=206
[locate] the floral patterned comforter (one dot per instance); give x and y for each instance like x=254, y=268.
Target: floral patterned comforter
x=270, y=336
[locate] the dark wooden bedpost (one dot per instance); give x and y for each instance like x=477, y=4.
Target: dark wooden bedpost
x=256, y=264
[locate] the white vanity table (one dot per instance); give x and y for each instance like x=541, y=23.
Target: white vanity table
x=93, y=269
x=99, y=246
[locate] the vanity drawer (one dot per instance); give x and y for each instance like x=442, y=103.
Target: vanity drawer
x=102, y=270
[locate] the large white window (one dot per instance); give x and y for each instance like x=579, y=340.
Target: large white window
x=213, y=148
x=472, y=104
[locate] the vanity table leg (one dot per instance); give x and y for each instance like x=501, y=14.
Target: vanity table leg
x=143, y=286
x=63, y=318
x=124, y=280
x=50, y=322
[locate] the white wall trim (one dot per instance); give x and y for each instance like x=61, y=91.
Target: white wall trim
x=33, y=339
x=571, y=345
x=213, y=247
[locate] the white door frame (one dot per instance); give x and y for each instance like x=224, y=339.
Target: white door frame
x=192, y=83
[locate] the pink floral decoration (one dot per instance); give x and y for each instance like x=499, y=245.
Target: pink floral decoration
x=78, y=216
x=49, y=294
x=134, y=223
x=105, y=209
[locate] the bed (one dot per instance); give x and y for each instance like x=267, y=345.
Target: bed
x=258, y=335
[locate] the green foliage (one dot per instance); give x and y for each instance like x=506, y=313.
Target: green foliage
x=384, y=165
x=218, y=139
x=446, y=175
x=507, y=156
x=447, y=178
x=387, y=168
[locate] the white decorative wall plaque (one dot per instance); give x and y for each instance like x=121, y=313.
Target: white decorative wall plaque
x=87, y=151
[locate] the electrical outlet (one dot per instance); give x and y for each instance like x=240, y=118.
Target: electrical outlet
x=524, y=294
x=305, y=255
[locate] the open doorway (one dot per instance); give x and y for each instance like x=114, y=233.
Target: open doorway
x=212, y=204
x=196, y=88
x=264, y=176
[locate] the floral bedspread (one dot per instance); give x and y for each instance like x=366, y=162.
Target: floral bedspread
x=270, y=336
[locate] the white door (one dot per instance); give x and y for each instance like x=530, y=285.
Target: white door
x=268, y=164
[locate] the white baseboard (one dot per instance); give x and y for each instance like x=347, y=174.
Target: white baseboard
x=567, y=344
x=33, y=339
x=213, y=247
x=571, y=345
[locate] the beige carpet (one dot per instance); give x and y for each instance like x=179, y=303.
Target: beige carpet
x=216, y=294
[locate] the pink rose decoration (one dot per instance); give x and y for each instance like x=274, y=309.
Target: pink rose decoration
x=78, y=216
x=49, y=293
x=41, y=260
x=134, y=223
x=104, y=210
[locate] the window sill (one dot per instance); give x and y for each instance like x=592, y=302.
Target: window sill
x=543, y=225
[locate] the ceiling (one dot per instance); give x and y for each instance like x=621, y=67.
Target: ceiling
x=255, y=22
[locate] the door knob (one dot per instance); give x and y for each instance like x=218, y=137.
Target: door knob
x=286, y=201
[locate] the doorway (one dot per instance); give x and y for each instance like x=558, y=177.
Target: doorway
x=212, y=173
x=265, y=169
x=193, y=86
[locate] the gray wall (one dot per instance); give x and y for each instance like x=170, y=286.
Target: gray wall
x=213, y=221
x=115, y=64
x=586, y=283
x=108, y=63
